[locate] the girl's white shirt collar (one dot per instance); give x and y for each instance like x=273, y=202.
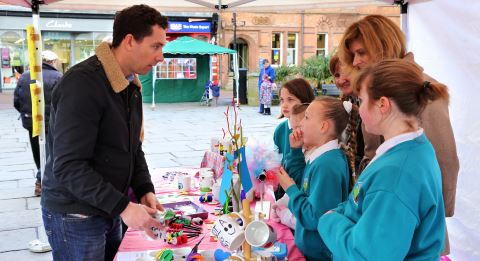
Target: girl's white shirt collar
x=394, y=141
x=331, y=145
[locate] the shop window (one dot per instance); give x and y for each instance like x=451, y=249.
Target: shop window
x=177, y=68
x=276, y=58
x=292, y=49
x=14, y=53
x=322, y=44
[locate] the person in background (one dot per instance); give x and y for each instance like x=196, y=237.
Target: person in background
x=270, y=72
x=266, y=95
x=22, y=101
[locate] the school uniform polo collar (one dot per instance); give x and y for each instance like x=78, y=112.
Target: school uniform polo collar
x=331, y=145
x=392, y=142
x=288, y=124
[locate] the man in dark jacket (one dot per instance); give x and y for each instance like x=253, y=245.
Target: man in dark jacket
x=96, y=143
x=22, y=101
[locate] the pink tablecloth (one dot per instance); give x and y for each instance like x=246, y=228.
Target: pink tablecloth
x=135, y=240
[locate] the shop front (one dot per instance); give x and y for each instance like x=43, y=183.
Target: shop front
x=73, y=40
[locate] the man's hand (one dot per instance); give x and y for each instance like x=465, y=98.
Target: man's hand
x=284, y=180
x=140, y=217
x=296, y=138
x=151, y=201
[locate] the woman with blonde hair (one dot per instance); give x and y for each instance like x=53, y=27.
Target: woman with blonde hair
x=374, y=39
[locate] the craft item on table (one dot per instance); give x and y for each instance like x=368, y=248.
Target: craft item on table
x=215, y=161
x=194, y=255
x=263, y=207
x=206, y=198
x=164, y=255
x=226, y=179
x=181, y=253
x=228, y=232
x=279, y=250
x=259, y=234
x=263, y=162
x=187, y=208
x=184, y=183
x=221, y=255
x=206, y=180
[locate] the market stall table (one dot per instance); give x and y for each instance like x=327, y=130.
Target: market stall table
x=136, y=244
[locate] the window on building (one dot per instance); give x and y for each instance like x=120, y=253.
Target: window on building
x=276, y=58
x=292, y=49
x=14, y=57
x=322, y=44
x=177, y=68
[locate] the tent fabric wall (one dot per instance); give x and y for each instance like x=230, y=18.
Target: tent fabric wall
x=444, y=35
x=181, y=90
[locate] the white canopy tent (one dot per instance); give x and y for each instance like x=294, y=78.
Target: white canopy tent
x=444, y=35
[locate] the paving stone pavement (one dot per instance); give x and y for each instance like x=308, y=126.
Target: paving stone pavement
x=176, y=135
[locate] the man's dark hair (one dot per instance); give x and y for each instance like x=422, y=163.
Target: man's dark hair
x=136, y=20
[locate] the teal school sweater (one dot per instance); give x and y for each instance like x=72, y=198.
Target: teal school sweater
x=293, y=160
x=395, y=211
x=325, y=185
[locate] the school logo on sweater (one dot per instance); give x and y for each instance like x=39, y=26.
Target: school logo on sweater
x=305, y=184
x=356, y=190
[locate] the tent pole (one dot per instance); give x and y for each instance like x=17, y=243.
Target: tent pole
x=154, y=77
x=235, y=66
x=36, y=52
x=37, y=92
x=404, y=17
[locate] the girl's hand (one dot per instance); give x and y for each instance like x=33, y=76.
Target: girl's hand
x=296, y=138
x=284, y=180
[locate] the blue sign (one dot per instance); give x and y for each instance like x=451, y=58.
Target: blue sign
x=186, y=27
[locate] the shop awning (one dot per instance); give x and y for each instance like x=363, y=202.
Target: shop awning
x=200, y=5
x=189, y=45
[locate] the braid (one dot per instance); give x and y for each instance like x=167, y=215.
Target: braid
x=350, y=146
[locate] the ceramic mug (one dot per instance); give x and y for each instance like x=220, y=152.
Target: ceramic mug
x=228, y=232
x=184, y=183
x=260, y=234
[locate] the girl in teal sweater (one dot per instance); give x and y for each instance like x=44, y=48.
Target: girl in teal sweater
x=395, y=211
x=293, y=92
x=325, y=181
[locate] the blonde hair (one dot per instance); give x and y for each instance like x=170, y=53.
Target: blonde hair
x=381, y=37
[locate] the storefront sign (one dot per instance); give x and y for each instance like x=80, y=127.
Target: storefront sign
x=56, y=24
x=186, y=27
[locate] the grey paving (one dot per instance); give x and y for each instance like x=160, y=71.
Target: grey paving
x=176, y=135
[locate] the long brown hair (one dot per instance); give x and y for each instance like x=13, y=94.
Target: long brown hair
x=402, y=82
x=334, y=110
x=381, y=37
x=299, y=88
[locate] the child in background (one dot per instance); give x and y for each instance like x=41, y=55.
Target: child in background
x=326, y=175
x=395, y=211
x=280, y=211
x=293, y=92
x=266, y=95
x=215, y=91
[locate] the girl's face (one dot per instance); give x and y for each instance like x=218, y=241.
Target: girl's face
x=342, y=80
x=361, y=57
x=314, y=127
x=295, y=120
x=287, y=101
x=370, y=113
